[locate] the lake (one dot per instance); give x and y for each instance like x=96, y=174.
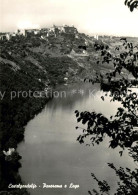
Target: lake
x=51, y=154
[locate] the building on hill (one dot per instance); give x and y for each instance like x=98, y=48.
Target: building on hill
x=29, y=32
x=21, y=32
x=51, y=29
x=96, y=37
x=61, y=28
x=8, y=36
x=50, y=33
x=77, y=36
x=70, y=29
x=2, y=36
x=5, y=36
x=43, y=31
x=58, y=30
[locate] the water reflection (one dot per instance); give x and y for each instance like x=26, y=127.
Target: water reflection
x=66, y=97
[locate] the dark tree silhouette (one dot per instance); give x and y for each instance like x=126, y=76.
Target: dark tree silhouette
x=122, y=127
x=132, y=4
x=126, y=186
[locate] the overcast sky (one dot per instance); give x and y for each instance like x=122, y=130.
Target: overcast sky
x=89, y=16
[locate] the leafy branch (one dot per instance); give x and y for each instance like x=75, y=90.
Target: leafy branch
x=132, y=4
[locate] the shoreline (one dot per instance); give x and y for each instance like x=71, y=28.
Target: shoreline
x=7, y=164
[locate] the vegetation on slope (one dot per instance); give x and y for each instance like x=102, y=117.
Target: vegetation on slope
x=30, y=64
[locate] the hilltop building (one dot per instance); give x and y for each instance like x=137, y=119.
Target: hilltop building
x=5, y=36
x=29, y=32
x=21, y=32
x=96, y=37
x=57, y=30
x=70, y=29
x=48, y=32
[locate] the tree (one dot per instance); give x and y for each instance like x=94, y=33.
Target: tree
x=122, y=127
x=132, y=4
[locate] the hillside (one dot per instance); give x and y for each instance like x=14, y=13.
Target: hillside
x=35, y=63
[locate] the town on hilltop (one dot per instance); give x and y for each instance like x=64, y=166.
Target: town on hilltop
x=52, y=31
x=43, y=32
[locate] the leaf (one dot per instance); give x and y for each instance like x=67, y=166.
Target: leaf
x=121, y=152
x=102, y=97
x=126, y=2
x=133, y=5
x=77, y=114
x=89, y=193
x=78, y=120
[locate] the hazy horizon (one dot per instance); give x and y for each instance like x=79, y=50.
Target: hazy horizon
x=88, y=16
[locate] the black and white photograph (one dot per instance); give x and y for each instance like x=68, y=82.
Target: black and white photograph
x=68, y=97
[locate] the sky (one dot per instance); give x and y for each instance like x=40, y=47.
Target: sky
x=109, y=17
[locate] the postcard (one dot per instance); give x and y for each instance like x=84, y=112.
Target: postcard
x=68, y=97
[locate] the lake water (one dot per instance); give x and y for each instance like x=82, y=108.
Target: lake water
x=51, y=154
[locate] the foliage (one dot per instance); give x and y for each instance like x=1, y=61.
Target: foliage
x=132, y=4
x=122, y=127
x=127, y=184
